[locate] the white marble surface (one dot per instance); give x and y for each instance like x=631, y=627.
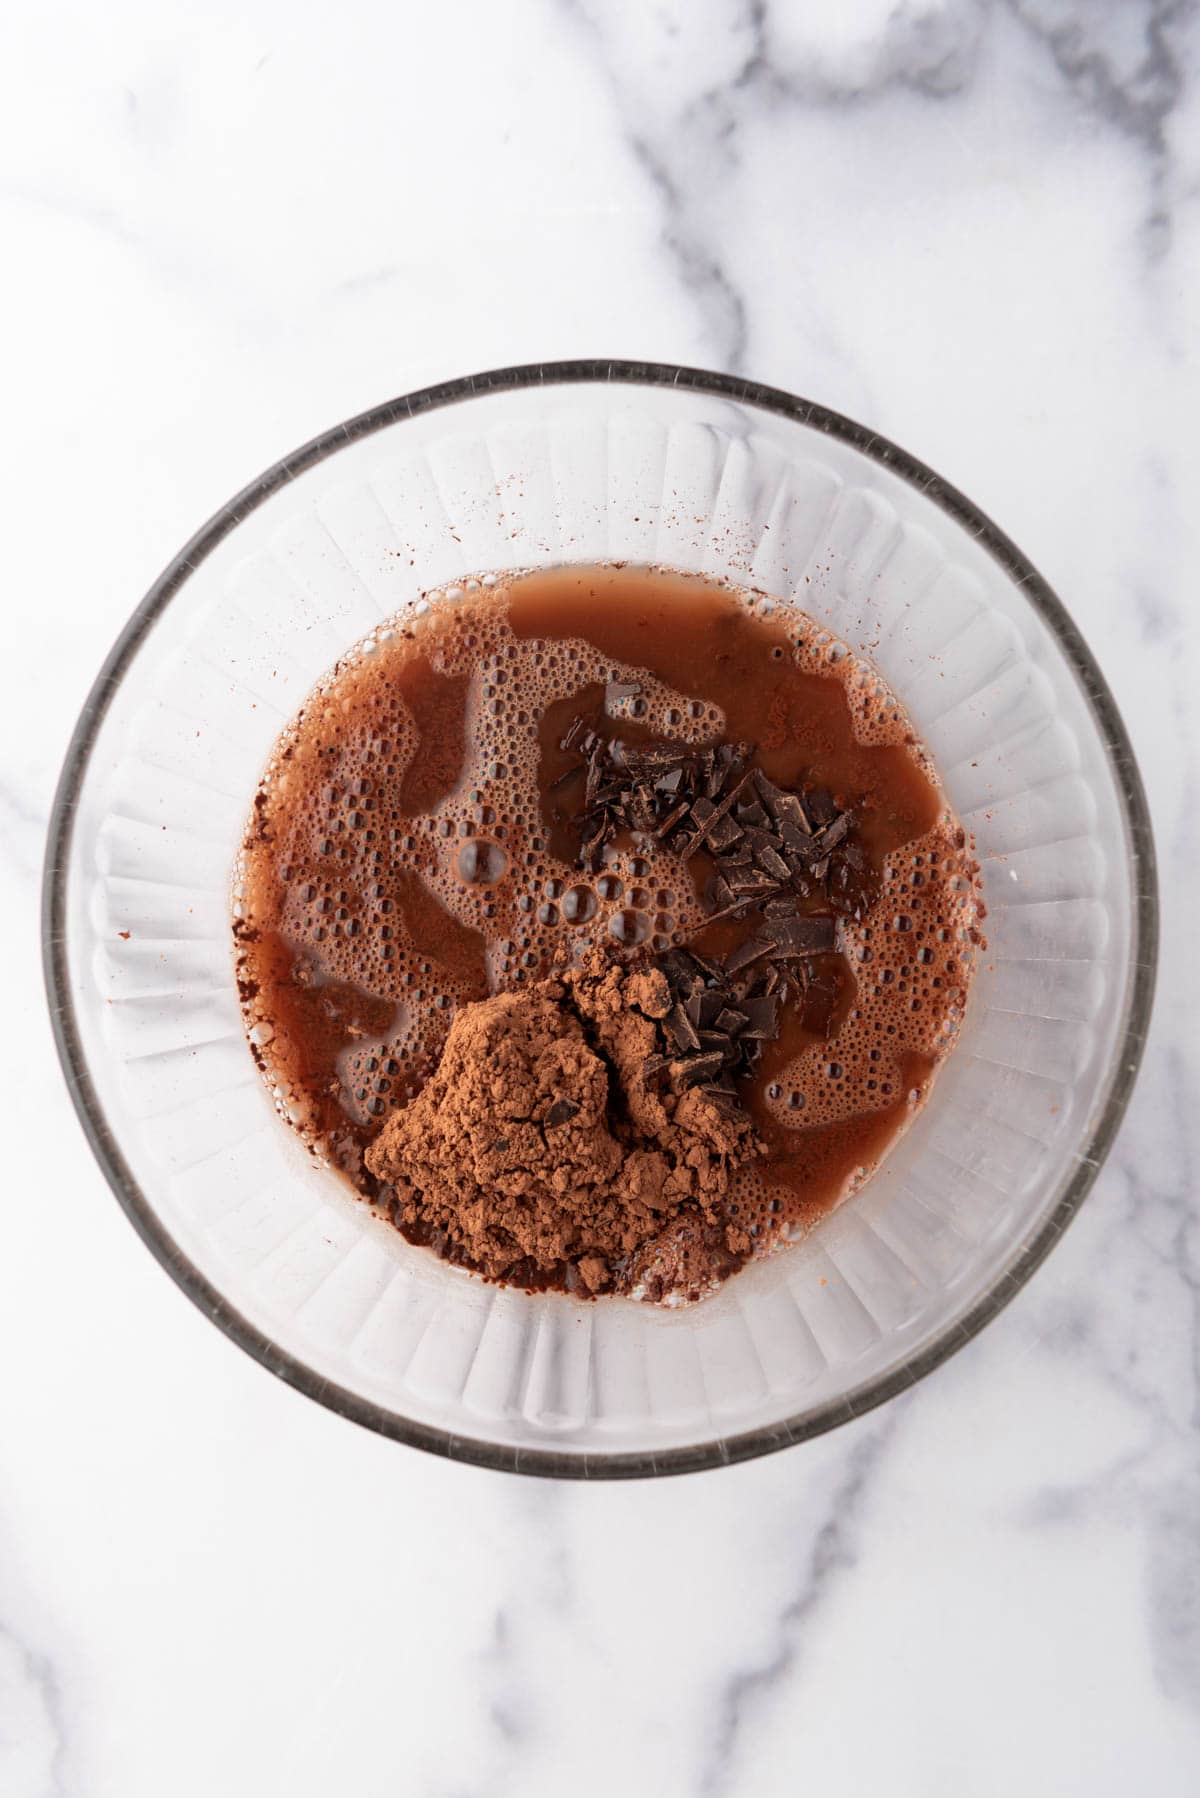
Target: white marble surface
x=973, y=225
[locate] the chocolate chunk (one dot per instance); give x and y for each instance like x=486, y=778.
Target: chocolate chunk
x=762, y=1017
x=712, y=1003
x=797, y=843
x=731, y=1021
x=706, y=815
x=769, y=859
x=562, y=1111
x=752, y=950
x=696, y=1069
x=617, y=690
x=673, y=817
x=832, y=833
x=710, y=969
x=800, y=936
x=723, y=833
x=754, y=884
x=682, y=1028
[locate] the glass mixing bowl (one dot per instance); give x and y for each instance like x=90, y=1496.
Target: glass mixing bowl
x=568, y=463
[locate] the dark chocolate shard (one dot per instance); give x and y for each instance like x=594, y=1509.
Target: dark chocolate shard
x=617, y=690
x=762, y=1017
x=673, y=817
x=696, y=1069
x=682, y=1028
x=717, y=892
x=723, y=833
x=710, y=969
x=562, y=1111
x=732, y=1021
x=712, y=1002
x=797, y=843
x=706, y=815
x=754, y=884
x=752, y=950
x=800, y=936
x=832, y=834
x=770, y=860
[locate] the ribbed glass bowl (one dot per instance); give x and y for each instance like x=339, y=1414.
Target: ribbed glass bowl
x=569, y=463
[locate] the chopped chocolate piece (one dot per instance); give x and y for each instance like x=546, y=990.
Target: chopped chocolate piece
x=711, y=1004
x=693, y=1003
x=679, y=966
x=711, y=970
x=696, y=1069
x=562, y=1111
x=723, y=833
x=709, y=815
x=731, y=1021
x=578, y=735
x=717, y=892
x=761, y=1017
x=753, y=884
x=832, y=833
x=797, y=842
x=736, y=909
x=769, y=858
x=617, y=690
x=670, y=782
x=752, y=814
x=682, y=1028
x=753, y=949
x=672, y=819
x=801, y=936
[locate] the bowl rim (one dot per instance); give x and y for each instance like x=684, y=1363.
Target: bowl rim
x=1026, y=1256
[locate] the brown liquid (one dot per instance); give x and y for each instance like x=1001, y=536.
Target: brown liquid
x=411, y=849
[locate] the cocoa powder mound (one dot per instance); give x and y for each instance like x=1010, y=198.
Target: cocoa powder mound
x=538, y=1143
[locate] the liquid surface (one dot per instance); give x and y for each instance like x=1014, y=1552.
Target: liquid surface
x=413, y=847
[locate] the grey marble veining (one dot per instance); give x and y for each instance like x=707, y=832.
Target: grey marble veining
x=976, y=227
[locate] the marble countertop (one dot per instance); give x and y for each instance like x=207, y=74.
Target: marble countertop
x=974, y=226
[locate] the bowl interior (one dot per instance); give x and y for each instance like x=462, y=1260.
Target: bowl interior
x=529, y=472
